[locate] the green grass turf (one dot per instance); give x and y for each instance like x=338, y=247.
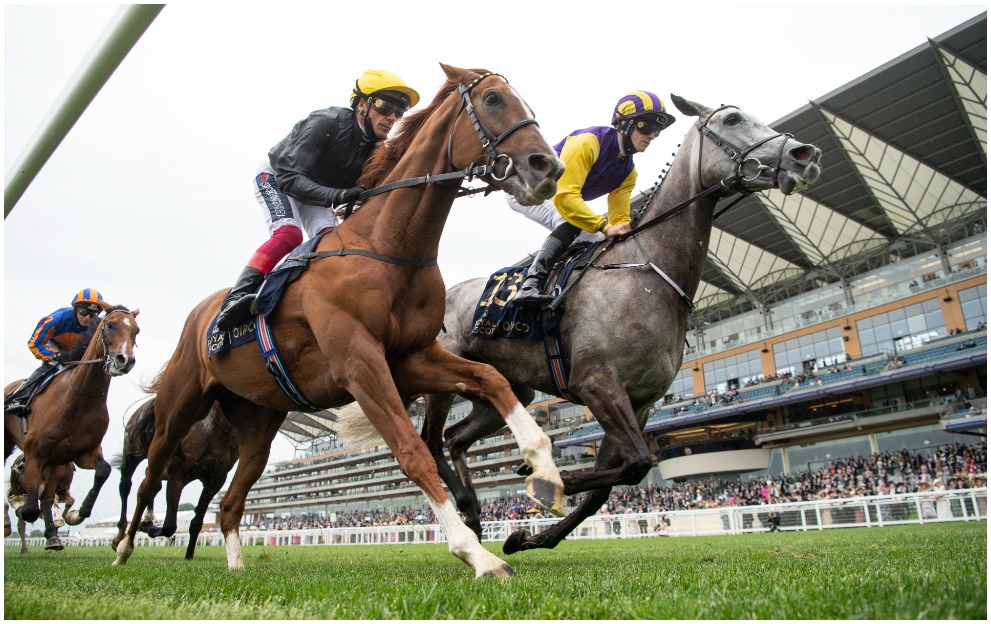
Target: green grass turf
x=936, y=571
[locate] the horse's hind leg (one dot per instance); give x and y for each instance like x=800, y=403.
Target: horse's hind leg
x=552, y=536
x=255, y=428
x=172, y=423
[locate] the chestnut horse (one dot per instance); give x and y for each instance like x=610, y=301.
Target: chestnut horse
x=361, y=324
x=16, y=495
x=69, y=416
x=206, y=455
x=624, y=330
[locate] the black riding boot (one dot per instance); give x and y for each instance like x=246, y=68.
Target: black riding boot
x=529, y=294
x=16, y=403
x=238, y=301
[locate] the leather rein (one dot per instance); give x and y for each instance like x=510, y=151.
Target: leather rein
x=105, y=360
x=735, y=183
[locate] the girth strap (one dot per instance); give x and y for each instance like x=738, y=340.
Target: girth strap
x=414, y=262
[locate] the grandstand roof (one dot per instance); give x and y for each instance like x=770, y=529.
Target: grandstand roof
x=904, y=171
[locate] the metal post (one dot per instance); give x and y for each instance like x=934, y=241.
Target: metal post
x=127, y=26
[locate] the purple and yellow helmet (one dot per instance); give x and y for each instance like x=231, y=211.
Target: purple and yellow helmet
x=641, y=104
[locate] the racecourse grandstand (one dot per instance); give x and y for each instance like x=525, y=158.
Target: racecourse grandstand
x=846, y=322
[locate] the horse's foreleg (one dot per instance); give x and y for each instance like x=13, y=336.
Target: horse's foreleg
x=255, y=428
x=33, y=482
x=553, y=535
x=101, y=472
x=434, y=369
x=173, y=492
x=6, y=519
x=22, y=527
x=370, y=383
x=437, y=407
x=623, y=457
x=128, y=465
x=51, y=530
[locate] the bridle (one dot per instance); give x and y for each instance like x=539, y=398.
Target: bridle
x=489, y=141
x=738, y=155
x=106, y=360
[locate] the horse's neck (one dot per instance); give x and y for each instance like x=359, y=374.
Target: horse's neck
x=682, y=240
x=408, y=222
x=91, y=378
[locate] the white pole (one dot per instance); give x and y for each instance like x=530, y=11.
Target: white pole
x=127, y=26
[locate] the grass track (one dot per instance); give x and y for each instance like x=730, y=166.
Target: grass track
x=930, y=572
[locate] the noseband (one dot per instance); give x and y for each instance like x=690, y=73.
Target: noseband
x=489, y=141
x=738, y=155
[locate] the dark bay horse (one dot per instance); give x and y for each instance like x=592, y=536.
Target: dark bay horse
x=624, y=329
x=206, y=455
x=69, y=416
x=361, y=325
x=16, y=495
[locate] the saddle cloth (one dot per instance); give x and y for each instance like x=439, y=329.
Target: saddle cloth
x=496, y=316
x=268, y=297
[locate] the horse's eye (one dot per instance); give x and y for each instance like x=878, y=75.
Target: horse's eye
x=492, y=98
x=732, y=119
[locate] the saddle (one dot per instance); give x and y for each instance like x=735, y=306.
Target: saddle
x=30, y=389
x=497, y=317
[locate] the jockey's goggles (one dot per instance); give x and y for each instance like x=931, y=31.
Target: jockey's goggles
x=386, y=107
x=86, y=312
x=650, y=125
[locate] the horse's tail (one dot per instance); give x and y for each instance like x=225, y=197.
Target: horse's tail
x=117, y=460
x=354, y=428
x=151, y=386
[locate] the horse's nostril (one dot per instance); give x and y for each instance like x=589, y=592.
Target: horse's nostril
x=806, y=153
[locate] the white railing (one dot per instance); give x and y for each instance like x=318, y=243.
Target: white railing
x=868, y=511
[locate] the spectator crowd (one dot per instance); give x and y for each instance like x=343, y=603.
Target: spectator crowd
x=958, y=466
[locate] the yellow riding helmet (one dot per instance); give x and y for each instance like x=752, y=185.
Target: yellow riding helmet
x=375, y=80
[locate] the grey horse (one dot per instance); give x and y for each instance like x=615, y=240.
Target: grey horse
x=624, y=330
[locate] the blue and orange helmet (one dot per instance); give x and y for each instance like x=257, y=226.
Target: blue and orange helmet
x=88, y=299
x=642, y=105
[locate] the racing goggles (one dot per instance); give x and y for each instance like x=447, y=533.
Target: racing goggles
x=386, y=107
x=86, y=311
x=651, y=124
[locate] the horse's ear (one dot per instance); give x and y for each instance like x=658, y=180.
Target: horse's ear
x=689, y=107
x=135, y=311
x=104, y=305
x=454, y=74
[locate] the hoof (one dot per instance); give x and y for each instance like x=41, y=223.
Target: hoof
x=28, y=515
x=54, y=543
x=505, y=571
x=547, y=494
x=73, y=518
x=514, y=543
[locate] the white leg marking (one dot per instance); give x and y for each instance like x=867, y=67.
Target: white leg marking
x=124, y=551
x=463, y=544
x=233, y=542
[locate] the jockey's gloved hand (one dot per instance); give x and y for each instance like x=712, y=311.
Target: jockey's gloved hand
x=58, y=358
x=348, y=196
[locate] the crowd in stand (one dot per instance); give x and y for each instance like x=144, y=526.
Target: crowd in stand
x=957, y=466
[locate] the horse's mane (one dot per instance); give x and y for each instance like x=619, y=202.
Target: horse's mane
x=387, y=154
x=78, y=348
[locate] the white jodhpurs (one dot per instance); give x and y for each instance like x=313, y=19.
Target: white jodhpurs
x=547, y=215
x=282, y=210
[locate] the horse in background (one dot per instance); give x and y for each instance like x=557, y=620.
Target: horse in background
x=69, y=416
x=624, y=330
x=16, y=495
x=361, y=322
x=206, y=455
